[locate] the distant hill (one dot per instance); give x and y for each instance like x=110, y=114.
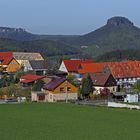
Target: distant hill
x=118, y=55
x=119, y=33
x=47, y=47
x=16, y=34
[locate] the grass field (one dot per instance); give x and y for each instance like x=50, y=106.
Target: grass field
x=67, y=122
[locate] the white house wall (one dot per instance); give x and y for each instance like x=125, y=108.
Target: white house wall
x=63, y=67
x=112, y=89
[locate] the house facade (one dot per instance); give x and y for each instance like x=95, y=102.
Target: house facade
x=13, y=66
x=102, y=81
x=39, y=67
x=8, y=62
x=131, y=98
x=59, y=89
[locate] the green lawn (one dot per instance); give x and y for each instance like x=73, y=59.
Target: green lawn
x=67, y=122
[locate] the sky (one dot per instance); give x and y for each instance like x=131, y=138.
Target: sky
x=65, y=17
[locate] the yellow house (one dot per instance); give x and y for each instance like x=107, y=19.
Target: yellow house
x=10, y=64
x=58, y=89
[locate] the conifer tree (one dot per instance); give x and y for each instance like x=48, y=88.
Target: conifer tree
x=87, y=86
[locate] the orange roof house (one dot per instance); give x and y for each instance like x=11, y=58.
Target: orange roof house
x=72, y=65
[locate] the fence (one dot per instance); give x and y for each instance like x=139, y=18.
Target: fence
x=120, y=105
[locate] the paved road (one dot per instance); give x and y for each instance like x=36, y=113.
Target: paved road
x=92, y=102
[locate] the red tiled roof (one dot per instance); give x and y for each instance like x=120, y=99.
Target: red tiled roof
x=6, y=60
x=32, y=77
x=91, y=68
x=6, y=57
x=72, y=65
x=6, y=54
x=26, y=81
x=100, y=79
x=125, y=69
x=118, y=69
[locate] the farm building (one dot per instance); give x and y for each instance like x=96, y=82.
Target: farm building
x=126, y=73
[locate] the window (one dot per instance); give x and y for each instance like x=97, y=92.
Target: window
x=69, y=88
x=61, y=89
x=113, y=89
x=13, y=62
x=51, y=97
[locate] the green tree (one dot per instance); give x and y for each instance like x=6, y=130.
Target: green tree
x=38, y=85
x=137, y=85
x=17, y=76
x=87, y=86
x=11, y=90
x=71, y=78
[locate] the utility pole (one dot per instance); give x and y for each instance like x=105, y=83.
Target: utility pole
x=66, y=90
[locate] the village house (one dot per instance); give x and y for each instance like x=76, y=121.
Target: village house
x=103, y=80
x=71, y=66
x=39, y=67
x=15, y=60
x=23, y=58
x=58, y=89
x=8, y=62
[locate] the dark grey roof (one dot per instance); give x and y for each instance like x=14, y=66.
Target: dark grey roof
x=39, y=64
x=54, y=83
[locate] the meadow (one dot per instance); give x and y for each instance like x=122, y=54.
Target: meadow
x=44, y=121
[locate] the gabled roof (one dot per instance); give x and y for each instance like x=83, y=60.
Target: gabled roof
x=6, y=60
x=6, y=57
x=54, y=83
x=39, y=64
x=72, y=65
x=99, y=79
x=30, y=78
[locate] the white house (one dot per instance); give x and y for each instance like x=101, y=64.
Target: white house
x=131, y=98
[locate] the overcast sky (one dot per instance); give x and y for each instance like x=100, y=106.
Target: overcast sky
x=65, y=16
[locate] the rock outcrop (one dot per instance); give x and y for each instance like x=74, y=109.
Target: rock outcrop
x=119, y=21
